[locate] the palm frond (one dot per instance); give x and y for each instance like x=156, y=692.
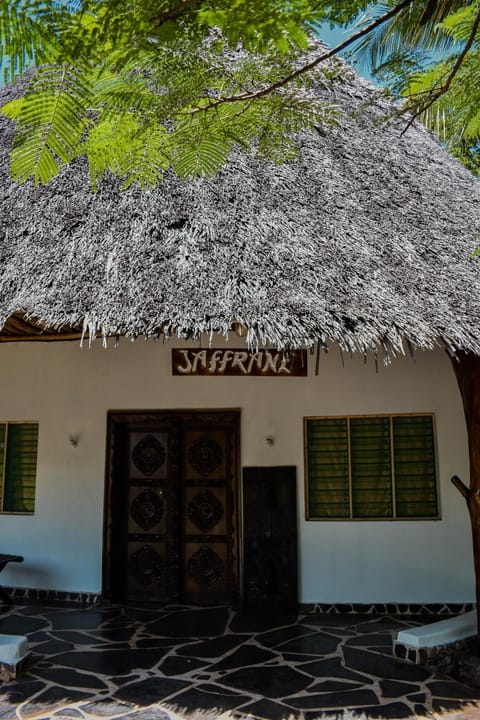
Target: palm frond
x=455, y=116
x=459, y=24
x=410, y=30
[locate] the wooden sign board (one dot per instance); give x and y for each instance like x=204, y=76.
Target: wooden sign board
x=264, y=363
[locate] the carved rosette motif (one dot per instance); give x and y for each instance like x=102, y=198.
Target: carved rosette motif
x=146, y=565
x=148, y=455
x=205, y=567
x=147, y=509
x=205, y=455
x=205, y=510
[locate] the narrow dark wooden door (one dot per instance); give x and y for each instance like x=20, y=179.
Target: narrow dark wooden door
x=171, y=520
x=270, y=537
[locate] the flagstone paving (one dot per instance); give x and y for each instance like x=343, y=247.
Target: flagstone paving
x=143, y=663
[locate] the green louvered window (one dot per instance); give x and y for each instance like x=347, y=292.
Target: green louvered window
x=18, y=461
x=371, y=467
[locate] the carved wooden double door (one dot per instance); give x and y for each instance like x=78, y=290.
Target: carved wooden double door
x=171, y=528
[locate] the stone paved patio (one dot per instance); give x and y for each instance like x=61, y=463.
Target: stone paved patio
x=146, y=664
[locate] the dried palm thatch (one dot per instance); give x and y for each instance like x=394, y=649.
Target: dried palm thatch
x=364, y=240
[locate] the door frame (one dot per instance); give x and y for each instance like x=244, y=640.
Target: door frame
x=117, y=418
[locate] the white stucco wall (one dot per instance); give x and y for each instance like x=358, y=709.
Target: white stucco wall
x=68, y=390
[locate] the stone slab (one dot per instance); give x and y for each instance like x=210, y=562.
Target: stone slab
x=441, y=632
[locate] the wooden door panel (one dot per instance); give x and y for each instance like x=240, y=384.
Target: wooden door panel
x=270, y=537
x=206, y=572
x=152, y=562
x=257, y=536
x=148, y=455
x=146, y=570
x=205, y=454
x=171, y=524
x=147, y=510
x=206, y=512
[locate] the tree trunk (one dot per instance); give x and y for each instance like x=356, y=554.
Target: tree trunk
x=467, y=371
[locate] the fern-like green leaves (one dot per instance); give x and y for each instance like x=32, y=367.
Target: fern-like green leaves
x=28, y=33
x=148, y=93
x=139, y=87
x=51, y=118
x=125, y=148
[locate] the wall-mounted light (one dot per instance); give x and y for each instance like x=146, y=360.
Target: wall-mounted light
x=73, y=439
x=270, y=440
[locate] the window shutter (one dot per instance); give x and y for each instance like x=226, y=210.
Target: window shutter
x=378, y=466
x=415, y=477
x=20, y=467
x=371, y=467
x=327, y=468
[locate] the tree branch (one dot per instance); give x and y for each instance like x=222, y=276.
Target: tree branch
x=460, y=485
x=253, y=95
x=436, y=94
x=176, y=10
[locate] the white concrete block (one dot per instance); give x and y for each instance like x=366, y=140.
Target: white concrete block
x=13, y=648
x=441, y=632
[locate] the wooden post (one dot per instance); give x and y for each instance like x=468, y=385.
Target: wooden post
x=467, y=371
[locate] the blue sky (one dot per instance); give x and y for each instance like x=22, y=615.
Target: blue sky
x=337, y=35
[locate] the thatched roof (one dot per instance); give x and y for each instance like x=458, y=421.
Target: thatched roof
x=365, y=240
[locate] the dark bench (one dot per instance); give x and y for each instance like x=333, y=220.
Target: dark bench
x=4, y=560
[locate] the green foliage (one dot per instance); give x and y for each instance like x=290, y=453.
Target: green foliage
x=458, y=24
x=28, y=32
x=51, y=119
x=156, y=87
x=142, y=86
x=345, y=12
x=258, y=26
x=136, y=153
x=408, y=36
x=455, y=116
x=417, y=56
